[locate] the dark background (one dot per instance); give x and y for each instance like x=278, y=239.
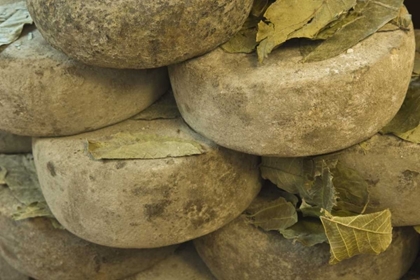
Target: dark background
x=414, y=9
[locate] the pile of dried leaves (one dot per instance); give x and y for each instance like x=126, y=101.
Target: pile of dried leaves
x=322, y=202
x=340, y=24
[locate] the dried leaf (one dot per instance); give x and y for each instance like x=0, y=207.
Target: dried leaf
x=289, y=174
x=375, y=14
x=164, y=108
x=289, y=197
x=308, y=210
x=33, y=210
x=406, y=123
x=124, y=145
x=417, y=228
x=352, y=189
x=283, y=18
x=328, y=14
x=322, y=192
x=243, y=42
x=274, y=215
x=12, y=19
x=309, y=179
x=307, y=231
x=21, y=178
x=361, y=234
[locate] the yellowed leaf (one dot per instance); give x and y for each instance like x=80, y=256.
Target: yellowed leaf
x=274, y=215
x=125, y=145
x=354, y=235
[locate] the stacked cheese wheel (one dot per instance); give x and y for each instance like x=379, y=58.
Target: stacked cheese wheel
x=146, y=135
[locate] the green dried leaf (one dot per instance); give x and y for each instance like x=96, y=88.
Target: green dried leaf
x=375, y=14
x=308, y=210
x=164, y=108
x=417, y=228
x=289, y=174
x=289, y=197
x=405, y=124
x=331, y=14
x=307, y=231
x=243, y=42
x=322, y=192
x=361, y=234
x=352, y=189
x=274, y=215
x=124, y=145
x=309, y=179
x=33, y=210
x=12, y=19
x=21, y=178
x=282, y=18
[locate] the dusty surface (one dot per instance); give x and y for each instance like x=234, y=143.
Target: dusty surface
x=36, y=248
x=392, y=169
x=242, y=251
x=137, y=34
x=287, y=108
x=184, y=264
x=14, y=144
x=44, y=93
x=144, y=203
x=9, y=273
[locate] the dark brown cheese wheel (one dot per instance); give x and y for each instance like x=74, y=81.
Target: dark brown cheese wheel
x=287, y=108
x=44, y=93
x=14, y=144
x=144, y=203
x=391, y=167
x=137, y=34
x=35, y=248
x=184, y=264
x=242, y=251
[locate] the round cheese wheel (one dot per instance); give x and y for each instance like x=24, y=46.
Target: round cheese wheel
x=44, y=93
x=137, y=34
x=152, y=200
x=287, y=108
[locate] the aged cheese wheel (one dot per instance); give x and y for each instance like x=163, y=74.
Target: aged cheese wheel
x=137, y=34
x=242, y=251
x=9, y=273
x=44, y=93
x=14, y=144
x=35, y=248
x=184, y=264
x=144, y=203
x=287, y=108
x=391, y=167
